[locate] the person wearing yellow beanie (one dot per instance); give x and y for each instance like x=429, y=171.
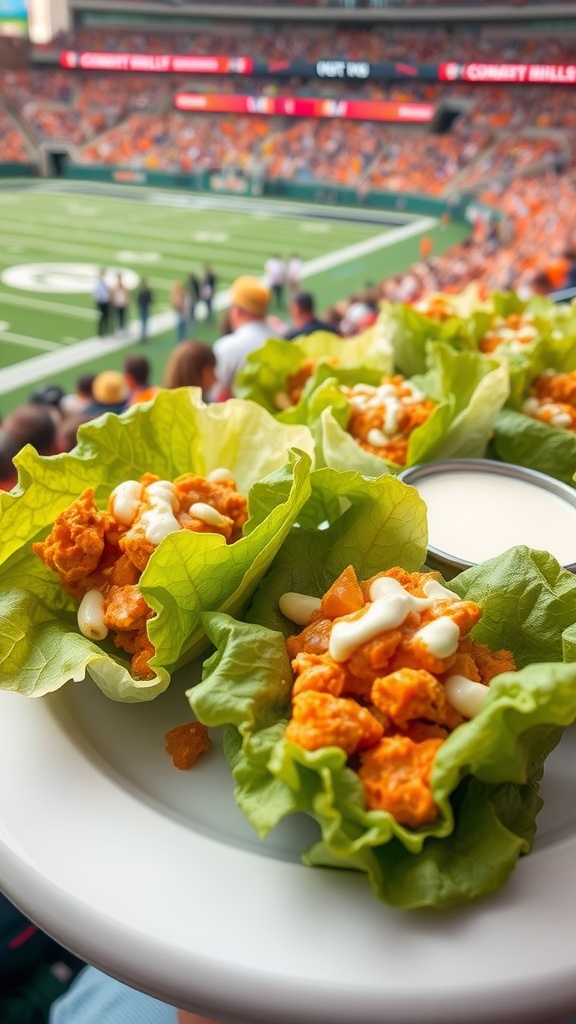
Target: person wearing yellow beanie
x=249, y=302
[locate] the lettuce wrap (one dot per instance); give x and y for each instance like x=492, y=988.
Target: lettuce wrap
x=463, y=320
x=523, y=440
x=263, y=378
x=486, y=775
x=469, y=390
x=188, y=573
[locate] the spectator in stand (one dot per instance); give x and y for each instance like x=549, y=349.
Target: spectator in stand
x=78, y=402
x=275, y=271
x=294, y=274
x=303, y=316
x=179, y=303
x=207, y=289
x=144, y=301
x=137, y=374
x=49, y=395
x=249, y=305
x=120, y=298
x=32, y=424
x=101, y=294
x=110, y=392
x=192, y=364
x=358, y=317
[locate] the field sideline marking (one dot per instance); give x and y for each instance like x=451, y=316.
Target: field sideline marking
x=26, y=340
x=29, y=301
x=171, y=241
x=38, y=367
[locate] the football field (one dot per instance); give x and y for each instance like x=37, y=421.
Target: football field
x=55, y=236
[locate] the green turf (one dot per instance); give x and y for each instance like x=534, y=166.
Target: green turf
x=163, y=237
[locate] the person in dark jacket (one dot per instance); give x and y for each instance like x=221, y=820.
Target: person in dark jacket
x=303, y=316
x=144, y=301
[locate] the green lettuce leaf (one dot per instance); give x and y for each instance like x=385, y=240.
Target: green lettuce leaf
x=409, y=333
x=40, y=646
x=263, y=378
x=523, y=441
x=486, y=775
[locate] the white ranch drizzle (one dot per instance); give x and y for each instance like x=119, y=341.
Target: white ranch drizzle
x=391, y=604
x=90, y=616
x=207, y=514
x=299, y=608
x=219, y=474
x=159, y=520
x=440, y=636
x=465, y=695
x=125, y=501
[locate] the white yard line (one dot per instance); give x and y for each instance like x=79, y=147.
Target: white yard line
x=30, y=301
x=28, y=342
x=52, y=363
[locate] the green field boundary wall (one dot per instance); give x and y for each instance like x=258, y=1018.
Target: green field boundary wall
x=232, y=183
x=235, y=183
x=13, y=170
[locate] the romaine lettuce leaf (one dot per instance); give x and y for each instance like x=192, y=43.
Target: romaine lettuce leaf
x=409, y=333
x=40, y=646
x=523, y=441
x=486, y=775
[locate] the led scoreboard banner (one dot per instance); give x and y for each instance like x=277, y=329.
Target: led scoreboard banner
x=515, y=74
x=291, y=106
x=338, y=70
x=163, y=63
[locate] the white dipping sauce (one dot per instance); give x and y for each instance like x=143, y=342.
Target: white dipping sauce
x=477, y=515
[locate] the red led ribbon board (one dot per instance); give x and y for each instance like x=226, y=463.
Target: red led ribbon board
x=163, y=63
x=290, y=106
x=516, y=74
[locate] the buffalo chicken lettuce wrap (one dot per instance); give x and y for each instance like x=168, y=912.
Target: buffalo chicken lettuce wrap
x=397, y=422
x=279, y=374
x=537, y=429
x=410, y=719
x=112, y=552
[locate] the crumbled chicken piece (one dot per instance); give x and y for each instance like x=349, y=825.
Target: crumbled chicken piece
x=396, y=778
x=75, y=544
x=321, y=720
x=186, y=743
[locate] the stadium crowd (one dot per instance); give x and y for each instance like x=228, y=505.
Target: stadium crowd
x=389, y=42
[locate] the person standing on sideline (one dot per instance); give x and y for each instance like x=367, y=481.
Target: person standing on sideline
x=101, y=294
x=294, y=274
x=207, y=289
x=144, y=300
x=249, y=301
x=120, y=299
x=179, y=303
x=193, y=297
x=275, y=270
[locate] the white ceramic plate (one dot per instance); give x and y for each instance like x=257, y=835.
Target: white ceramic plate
x=154, y=876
